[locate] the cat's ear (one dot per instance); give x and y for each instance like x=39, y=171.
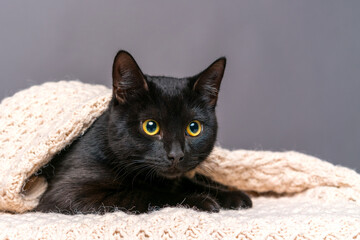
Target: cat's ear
x=208, y=82
x=128, y=80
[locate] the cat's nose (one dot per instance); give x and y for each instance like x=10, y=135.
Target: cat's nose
x=176, y=154
x=176, y=157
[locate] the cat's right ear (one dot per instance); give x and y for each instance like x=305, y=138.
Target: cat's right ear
x=128, y=80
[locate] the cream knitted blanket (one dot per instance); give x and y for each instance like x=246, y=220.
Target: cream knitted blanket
x=295, y=196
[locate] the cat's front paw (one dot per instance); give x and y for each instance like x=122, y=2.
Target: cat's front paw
x=202, y=202
x=234, y=200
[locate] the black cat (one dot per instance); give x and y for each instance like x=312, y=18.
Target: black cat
x=134, y=157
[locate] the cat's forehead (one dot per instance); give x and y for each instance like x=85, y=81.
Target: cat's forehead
x=172, y=98
x=169, y=86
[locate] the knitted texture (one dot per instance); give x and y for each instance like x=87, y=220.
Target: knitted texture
x=296, y=196
x=271, y=219
x=37, y=123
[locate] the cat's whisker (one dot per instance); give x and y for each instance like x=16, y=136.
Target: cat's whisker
x=128, y=168
x=207, y=169
x=134, y=157
x=200, y=154
x=140, y=171
x=207, y=185
x=151, y=174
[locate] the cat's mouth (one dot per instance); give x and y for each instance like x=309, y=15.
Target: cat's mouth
x=171, y=173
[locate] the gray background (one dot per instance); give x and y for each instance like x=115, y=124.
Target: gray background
x=293, y=76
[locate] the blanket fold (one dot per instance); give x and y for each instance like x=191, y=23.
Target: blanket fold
x=295, y=195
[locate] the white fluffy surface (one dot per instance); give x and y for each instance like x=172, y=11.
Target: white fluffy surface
x=269, y=219
x=314, y=199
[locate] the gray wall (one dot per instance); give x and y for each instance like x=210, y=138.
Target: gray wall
x=293, y=75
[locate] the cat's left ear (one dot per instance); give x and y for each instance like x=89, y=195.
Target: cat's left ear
x=208, y=82
x=128, y=80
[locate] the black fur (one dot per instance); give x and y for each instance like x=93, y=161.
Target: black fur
x=115, y=165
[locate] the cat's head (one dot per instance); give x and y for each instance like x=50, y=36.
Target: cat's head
x=162, y=124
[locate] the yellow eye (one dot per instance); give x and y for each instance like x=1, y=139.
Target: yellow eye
x=194, y=128
x=151, y=127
